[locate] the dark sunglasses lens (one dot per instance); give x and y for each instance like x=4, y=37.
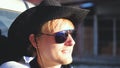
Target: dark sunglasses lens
x=61, y=37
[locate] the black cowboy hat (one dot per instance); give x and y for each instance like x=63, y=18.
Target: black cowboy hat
x=29, y=21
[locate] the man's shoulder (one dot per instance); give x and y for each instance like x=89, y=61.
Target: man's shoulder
x=13, y=64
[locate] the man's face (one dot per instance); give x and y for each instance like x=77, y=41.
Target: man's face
x=52, y=53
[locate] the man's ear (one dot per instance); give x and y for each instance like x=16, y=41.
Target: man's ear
x=32, y=40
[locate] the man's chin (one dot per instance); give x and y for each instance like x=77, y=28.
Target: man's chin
x=67, y=62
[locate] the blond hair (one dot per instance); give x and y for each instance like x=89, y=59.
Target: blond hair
x=50, y=26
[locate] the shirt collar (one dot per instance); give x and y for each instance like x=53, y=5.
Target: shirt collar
x=34, y=64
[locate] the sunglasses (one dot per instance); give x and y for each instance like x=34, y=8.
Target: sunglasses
x=61, y=37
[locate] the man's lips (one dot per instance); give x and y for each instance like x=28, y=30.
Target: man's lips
x=66, y=51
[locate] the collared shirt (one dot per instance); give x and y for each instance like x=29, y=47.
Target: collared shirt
x=13, y=64
x=34, y=64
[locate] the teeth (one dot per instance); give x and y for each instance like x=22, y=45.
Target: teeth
x=64, y=51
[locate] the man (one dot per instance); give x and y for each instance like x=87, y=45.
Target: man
x=49, y=28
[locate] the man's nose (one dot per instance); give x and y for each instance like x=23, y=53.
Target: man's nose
x=70, y=41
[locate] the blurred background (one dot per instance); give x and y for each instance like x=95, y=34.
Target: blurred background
x=98, y=38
